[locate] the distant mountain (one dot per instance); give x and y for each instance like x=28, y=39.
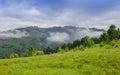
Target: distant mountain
x=19, y=40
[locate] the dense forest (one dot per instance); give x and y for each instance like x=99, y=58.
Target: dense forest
x=112, y=34
x=20, y=40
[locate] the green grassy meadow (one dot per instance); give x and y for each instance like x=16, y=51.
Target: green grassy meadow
x=92, y=61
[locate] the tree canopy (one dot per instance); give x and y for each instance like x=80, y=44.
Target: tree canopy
x=87, y=41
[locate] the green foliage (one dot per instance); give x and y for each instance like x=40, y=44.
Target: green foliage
x=14, y=55
x=20, y=48
x=87, y=41
x=30, y=52
x=60, y=50
x=118, y=33
x=104, y=37
x=37, y=38
x=79, y=48
x=103, y=60
x=49, y=50
x=70, y=46
x=96, y=40
x=102, y=44
x=76, y=43
x=110, y=35
x=33, y=52
x=113, y=33
x=92, y=61
x=37, y=53
x=115, y=43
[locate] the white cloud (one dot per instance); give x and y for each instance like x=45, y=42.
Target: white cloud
x=22, y=16
x=58, y=37
x=13, y=34
x=78, y=34
x=63, y=37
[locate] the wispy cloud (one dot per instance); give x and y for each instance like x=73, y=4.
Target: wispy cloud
x=63, y=37
x=56, y=37
x=13, y=34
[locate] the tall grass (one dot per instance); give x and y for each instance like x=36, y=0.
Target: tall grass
x=92, y=61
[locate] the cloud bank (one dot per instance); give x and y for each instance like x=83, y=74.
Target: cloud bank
x=63, y=37
x=15, y=34
x=58, y=37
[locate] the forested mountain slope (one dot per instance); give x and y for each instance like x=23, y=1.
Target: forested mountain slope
x=21, y=39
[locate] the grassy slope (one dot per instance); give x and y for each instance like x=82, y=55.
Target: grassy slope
x=93, y=61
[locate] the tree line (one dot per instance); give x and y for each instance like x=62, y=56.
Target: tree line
x=106, y=37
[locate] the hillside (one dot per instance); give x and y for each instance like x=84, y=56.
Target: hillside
x=21, y=39
x=92, y=61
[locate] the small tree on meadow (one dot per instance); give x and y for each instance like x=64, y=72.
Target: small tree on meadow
x=31, y=51
x=104, y=37
x=113, y=33
x=118, y=33
x=87, y=41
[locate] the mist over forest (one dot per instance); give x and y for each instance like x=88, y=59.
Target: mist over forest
x=21, y=39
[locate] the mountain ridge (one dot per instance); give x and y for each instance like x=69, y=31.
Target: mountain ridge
x=20, y=39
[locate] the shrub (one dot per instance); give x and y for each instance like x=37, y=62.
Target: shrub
x=113, y=33
x=81, y=48
x=104, y=37
x=87, y=41
x=60, y=50
x=37, y=53
x=102, y=44
x=14, y=55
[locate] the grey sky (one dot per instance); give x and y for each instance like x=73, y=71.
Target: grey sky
x=47, y=13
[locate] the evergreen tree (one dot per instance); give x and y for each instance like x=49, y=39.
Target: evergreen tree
x=30, y=51
x=63, y=46
x=49, y=50
x=96, y=40
x=76, y=43
x=70, y=46
x=112, y=32
x=118, y=33
x=104, y=37
x=87, y=41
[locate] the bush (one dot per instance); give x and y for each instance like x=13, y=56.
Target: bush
x=14, y=55
x=104, y=37
x=102, y=44
x=37, y=53
x=87, y=41
x=113, y=33
x=114, y=44
x=60, y=50
x=96, y=40
x=81, y=48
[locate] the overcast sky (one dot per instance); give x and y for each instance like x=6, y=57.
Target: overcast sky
x=47, y=13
